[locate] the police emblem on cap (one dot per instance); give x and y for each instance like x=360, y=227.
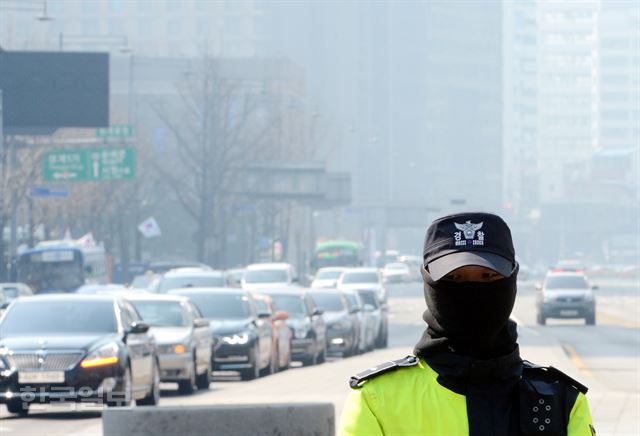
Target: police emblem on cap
x=469, y=230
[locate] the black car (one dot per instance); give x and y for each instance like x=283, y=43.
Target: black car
x=308, y=343
x=241, y=342
x=76, y=348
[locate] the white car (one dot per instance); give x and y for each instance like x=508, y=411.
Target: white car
x=396, y=272
x=363, y=278
x=190, y=278
x=259, y=276
x=327, y=277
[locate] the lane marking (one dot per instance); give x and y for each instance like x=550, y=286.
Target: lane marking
x=577, y=361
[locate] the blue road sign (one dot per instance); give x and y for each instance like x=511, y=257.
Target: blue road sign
x=49, y=192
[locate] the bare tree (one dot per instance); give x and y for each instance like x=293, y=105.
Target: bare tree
x=221, y=125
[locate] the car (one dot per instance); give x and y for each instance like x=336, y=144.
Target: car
x=105, y=289
x=234, y=277
x=569, y=265
x=183, y=339
x=415, y=265
x=396, y=272
x=327, y=277
x=76, y=348
x=146, y=282
x=565, y=295
x=378, y=312
x=262, y=275
x=281, y=334
x=308, y=344
x=190, y=278
x=364, y=322
x=241, y=342
x=363, y=278
x=11, y=291
x=166, y=266
x=342, y=327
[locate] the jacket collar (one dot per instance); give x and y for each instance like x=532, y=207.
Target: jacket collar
x=458, y=372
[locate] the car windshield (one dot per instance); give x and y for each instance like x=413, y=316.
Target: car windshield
x=290, y=303
x=208, y=281
x=330, y=302
x=328, y=275
x=11, y=293
x=360, y=277
x=55, y=317
x=161, y=313
x=369, y=298
x=265, y=276
x=221, y=306
x=566, y=282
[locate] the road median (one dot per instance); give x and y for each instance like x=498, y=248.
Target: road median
x=229, y=420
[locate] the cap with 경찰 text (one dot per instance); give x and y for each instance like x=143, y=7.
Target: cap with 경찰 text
x=464, y=239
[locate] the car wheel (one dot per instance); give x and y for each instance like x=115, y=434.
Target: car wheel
x=271, y=366
x=154, y=395
x=203, y=380
x=541, y=319
x=590, y=320
x=124, y=396
x=287, y=363
x=253, y=372
x=322, y=357
x=188, y=386
x=18, y=407
x=312, y=359
x=383, y=339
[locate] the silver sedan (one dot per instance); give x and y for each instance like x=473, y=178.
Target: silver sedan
x=183, y=338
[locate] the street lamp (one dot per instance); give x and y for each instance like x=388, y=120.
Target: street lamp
x=28, y=6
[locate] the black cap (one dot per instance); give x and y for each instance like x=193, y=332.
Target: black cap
x=472, y=238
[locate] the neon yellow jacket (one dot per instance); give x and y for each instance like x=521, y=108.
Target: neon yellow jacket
x=410, y=401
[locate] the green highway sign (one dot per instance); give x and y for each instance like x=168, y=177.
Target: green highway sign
x=89, y=164
x=64, y=165
x=115, y=131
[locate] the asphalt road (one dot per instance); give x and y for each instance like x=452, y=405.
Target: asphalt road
x=606, y=357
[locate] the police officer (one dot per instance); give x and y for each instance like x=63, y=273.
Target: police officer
x=466, y=376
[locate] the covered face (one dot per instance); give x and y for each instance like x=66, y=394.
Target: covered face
x=469, y=277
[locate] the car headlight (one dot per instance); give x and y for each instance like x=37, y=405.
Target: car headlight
x=172, y=349
x=236, y=339
x=105, y=355
x=300, y=332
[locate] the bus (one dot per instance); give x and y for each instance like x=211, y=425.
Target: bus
x=51, y=269
x=337, y=253
x=63, y=266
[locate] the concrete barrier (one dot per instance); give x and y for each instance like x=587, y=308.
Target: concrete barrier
x=317, y=419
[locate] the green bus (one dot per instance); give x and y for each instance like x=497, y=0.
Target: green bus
x=337, y=253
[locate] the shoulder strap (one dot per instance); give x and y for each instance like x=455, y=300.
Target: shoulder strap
x=553, y=373
x=355, y=382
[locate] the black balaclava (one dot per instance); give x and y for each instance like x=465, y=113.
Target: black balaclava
x=469, y=318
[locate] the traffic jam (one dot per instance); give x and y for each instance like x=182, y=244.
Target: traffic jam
x=62, y=341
